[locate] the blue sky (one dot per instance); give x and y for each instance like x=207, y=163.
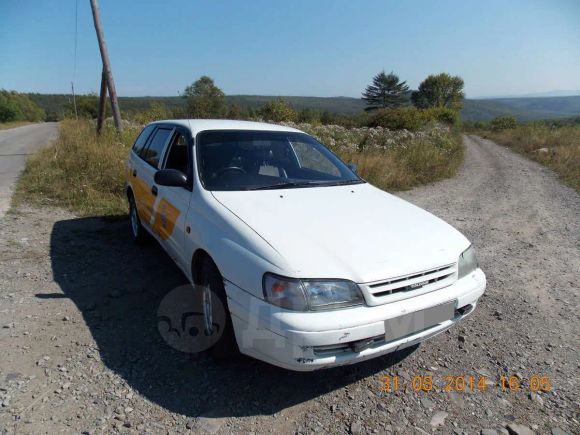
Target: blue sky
x=298, y=47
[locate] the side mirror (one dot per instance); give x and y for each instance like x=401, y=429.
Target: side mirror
x=170, y=177
x=352, y=167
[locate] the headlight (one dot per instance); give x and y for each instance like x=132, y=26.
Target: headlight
x=310, y=294
x=467, y=262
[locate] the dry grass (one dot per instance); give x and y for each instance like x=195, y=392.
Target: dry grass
x=86, y=174
x=80, y=171
x=419, y=161
x=556, y=147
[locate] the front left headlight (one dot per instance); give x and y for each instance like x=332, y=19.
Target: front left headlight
x=310, y=294
x=467, y=262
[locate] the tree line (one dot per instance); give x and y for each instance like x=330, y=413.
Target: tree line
x=389, y=103
x=18, y=107
x=439, y=97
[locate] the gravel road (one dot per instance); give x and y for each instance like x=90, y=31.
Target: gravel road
x=15, y=145
x=81, y=352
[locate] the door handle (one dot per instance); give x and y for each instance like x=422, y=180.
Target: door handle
x=154, y=190
x=134, y=172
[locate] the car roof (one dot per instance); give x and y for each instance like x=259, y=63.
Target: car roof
x=197, y=125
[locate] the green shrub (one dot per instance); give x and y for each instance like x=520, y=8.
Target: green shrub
x=443, y=115
x=503, y=123
x=155, y=112
x=411, y=118
x=406, y=118
x=309, y=116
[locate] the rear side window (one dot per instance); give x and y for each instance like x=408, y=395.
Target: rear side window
x=152, y=153
x=142, y=139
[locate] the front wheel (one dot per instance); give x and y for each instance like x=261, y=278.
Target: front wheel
x=212, y=286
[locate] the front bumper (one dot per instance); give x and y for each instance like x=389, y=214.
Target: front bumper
x=306, y=341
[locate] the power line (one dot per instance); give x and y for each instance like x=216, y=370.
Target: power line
x=76, y=39
x=72, y=83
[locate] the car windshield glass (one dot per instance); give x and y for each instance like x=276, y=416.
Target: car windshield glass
x=255, y=160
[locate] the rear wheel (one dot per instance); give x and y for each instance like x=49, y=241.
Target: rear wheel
x=138, y=233
x=212, y=286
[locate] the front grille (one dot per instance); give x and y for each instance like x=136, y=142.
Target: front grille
x=410, y=285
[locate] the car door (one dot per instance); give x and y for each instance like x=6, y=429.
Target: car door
x=173, y=202
x=134, y=164
x=144, y=189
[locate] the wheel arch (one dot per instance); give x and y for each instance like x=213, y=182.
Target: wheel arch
x=197, y=260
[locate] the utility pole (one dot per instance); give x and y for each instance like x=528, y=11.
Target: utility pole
x=72, y=87
x=102, y=102
x=107, y=74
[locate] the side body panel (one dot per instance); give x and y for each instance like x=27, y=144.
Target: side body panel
x=171, y=208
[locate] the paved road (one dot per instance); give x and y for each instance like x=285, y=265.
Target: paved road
x=15, y=145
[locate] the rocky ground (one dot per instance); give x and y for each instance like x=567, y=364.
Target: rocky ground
x=81, y=351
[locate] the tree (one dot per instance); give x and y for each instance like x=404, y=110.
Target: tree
x=155, y=112
x=440, y=90
x=386, y=91
x=235, y=111
x=87, y=107
x=9, y=110
x=205, y=99
x=309, y=116
x=278, y=110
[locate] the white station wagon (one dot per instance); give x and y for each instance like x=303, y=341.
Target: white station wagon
x=315, y=267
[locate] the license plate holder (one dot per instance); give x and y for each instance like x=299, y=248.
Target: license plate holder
x=417, y=321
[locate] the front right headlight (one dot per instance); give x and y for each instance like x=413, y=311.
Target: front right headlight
x=467, y=262
x=310, y=294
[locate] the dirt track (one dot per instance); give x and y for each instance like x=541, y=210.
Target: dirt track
x=15, y=145
x=81, y=352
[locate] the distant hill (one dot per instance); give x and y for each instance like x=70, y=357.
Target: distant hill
x=524, y=109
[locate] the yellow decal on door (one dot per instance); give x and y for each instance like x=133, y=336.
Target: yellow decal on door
x=166, y=216
x=144, y=199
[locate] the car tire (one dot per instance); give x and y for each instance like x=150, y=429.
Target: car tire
x=226, y=347
x=138, y=233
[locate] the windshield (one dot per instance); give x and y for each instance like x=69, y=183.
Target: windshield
x=252, y=160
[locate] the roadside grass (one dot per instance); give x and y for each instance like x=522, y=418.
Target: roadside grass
x=85, y=173
x=81, y=171
x=419, y=161
x=556, y=147
x=13, y=124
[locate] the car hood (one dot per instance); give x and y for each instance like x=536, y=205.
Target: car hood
x=355, y=232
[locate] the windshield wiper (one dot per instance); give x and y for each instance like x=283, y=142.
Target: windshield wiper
x=344, y=182
x=288, y=185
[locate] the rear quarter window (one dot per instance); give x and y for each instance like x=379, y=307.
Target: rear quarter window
x=142, y=139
